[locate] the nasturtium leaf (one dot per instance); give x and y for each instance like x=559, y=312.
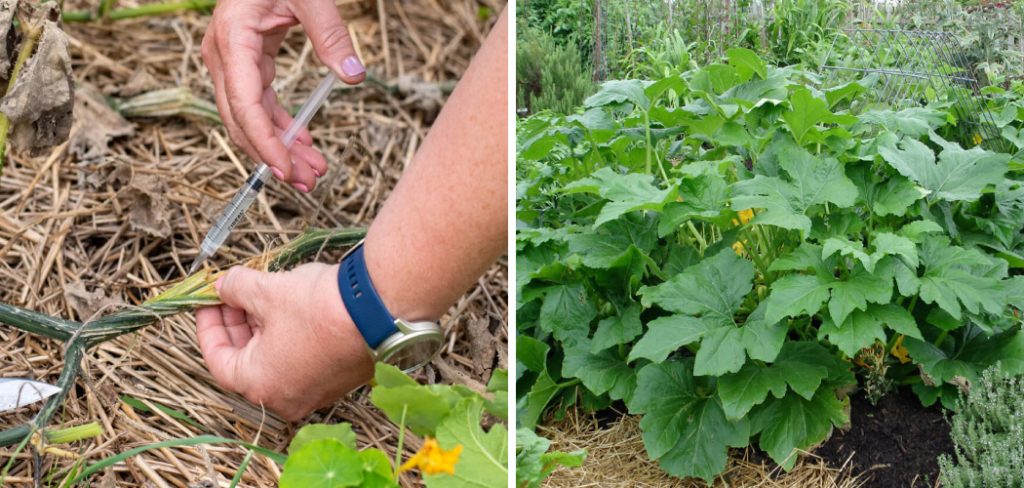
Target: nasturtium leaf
x=667, y=334
x=422, y=408
x=687, y=432
x=959, y=175
x=950, y=281
x=625, y=193
x=567, y=312
x=747, y=62
x=721, y=351
x=601, y=372
x=619, y=91
x=714, y=288
x=617, y=329
x=795, y=295
x=794, y=422
x=483, y=462
x=323, y=463
x=312, y=432
x=807, y=112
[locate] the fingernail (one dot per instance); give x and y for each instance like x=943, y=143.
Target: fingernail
x=352, y=66
x=301, y=187
x=316, y=172
x=277, y=173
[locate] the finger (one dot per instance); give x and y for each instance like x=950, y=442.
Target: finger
x=244, y=91
x=282, y=119
x=220, y=355
x=310, y=157
x=236, y=321
x=244, y=288
x=224, y=109
x=330, y=39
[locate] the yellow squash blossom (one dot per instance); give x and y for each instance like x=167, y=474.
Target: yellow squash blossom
x=738, y=247
x=977, y=139
x=746, y=215
x=431, y=459
x=899, y=351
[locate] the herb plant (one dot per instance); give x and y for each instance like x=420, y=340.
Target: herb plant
x=727, y=251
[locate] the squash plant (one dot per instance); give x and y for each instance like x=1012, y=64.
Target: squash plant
x=731, y=252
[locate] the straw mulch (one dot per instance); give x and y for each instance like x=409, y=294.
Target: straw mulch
x=80, y=236
x=616, y=459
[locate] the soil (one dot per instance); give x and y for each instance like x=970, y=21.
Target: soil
x=895, y=444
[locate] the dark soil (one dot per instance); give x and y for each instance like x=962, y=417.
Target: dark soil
x=897, y=443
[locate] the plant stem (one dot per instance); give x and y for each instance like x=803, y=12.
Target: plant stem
x=32, y=33
x=401, y=440
x=74, y=434
x=140, y=11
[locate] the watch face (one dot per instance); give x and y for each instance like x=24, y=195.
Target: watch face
x=414, y=354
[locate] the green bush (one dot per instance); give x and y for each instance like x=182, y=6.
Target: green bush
x=549, y=76
x=988, y=430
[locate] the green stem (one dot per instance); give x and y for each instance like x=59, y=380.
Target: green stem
x=74, y=434
x=940, y=338
x=140, y=11
x=401, y=440
x=647, y=136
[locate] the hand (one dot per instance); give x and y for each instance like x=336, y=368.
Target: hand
x=239, y=49
x=283, y=340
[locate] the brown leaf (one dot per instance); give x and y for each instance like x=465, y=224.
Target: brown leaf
x=97, y=124
x=7, y=10
x=86, y=303
x=39, y=104
x=146, y=199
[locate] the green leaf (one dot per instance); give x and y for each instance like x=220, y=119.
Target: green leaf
x=763, y=339
x=313, y=432
x=618, y=329
x=613, y=244
x=619, y=91
x=567, y=312
x=667, y=334
x=786, y=203
x=601, y=372
x=424, y=409
x=324, y=463
x=949, y=280
x=918, y=229
x=498, y=386
x=530, y=407
x=959, y=175
x=143, y=407
x=978, y=353
x=794, y=422
x=801, y=365
x=484, y=458
x=721, y=351
x=531, y=353
x=914, y=121
x=807, y=112
x=689, y=434
x=888, y=244
x=861, y=329
x=714, y=288
x=896, y=195
x=533, y=461
x=846, y=247
x=625, y=193
x=854, y=293
x=747, y=63
x=795, y=295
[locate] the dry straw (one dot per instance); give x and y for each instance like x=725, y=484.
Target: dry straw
x=90, y=226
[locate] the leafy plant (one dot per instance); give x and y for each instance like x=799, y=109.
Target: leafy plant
x=726, y=251
x=535, y=461
x=988, y=431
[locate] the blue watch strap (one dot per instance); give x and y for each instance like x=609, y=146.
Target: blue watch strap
x=362, y=301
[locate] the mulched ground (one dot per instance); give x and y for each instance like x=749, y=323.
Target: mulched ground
x=895, y=444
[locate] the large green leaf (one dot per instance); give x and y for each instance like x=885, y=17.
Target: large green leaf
x=323, y=463
x=686, y=432
x=667, y=334
x=602, y=372
x=714, y=288
x=618, y=329
x=795, y=295
x=951, y=279
x=625, y=193
x=794, y=422
x=807, y=112
x=534, y=462
x=483, y=462
x=958, y=175
x=978, y=353
x=856, y=291
x=801, y=366
x=786, y=202
x=567, y=312
x=619, y=91
x=613, y=244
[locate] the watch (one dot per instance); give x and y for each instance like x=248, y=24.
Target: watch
x=403, y=344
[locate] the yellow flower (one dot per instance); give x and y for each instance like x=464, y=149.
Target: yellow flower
x=746, y=215
x=900, y=352
x=738, y=247
x=977, y=138
x=431, y=459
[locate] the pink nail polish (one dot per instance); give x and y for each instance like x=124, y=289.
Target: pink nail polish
x=352, y=66
x=301, y=187
x=277, y=173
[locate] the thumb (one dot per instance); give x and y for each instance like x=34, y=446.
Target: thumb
x=243, y=288
x=330, y=38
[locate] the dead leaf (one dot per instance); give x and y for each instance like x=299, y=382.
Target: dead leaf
x=97, y=124
x=140, y=82
x=145, y=197
x=86, y=303
x=40, y=103
x=7, y=10
x=483, y=344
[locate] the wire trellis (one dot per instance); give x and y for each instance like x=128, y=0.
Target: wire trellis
x=908, y=68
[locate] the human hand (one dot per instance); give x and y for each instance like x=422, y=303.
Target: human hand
x=284, y=339
x=239, y=49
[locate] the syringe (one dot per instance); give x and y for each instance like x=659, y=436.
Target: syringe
x=252, y=186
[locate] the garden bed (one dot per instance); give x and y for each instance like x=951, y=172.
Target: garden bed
x=88, y=227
